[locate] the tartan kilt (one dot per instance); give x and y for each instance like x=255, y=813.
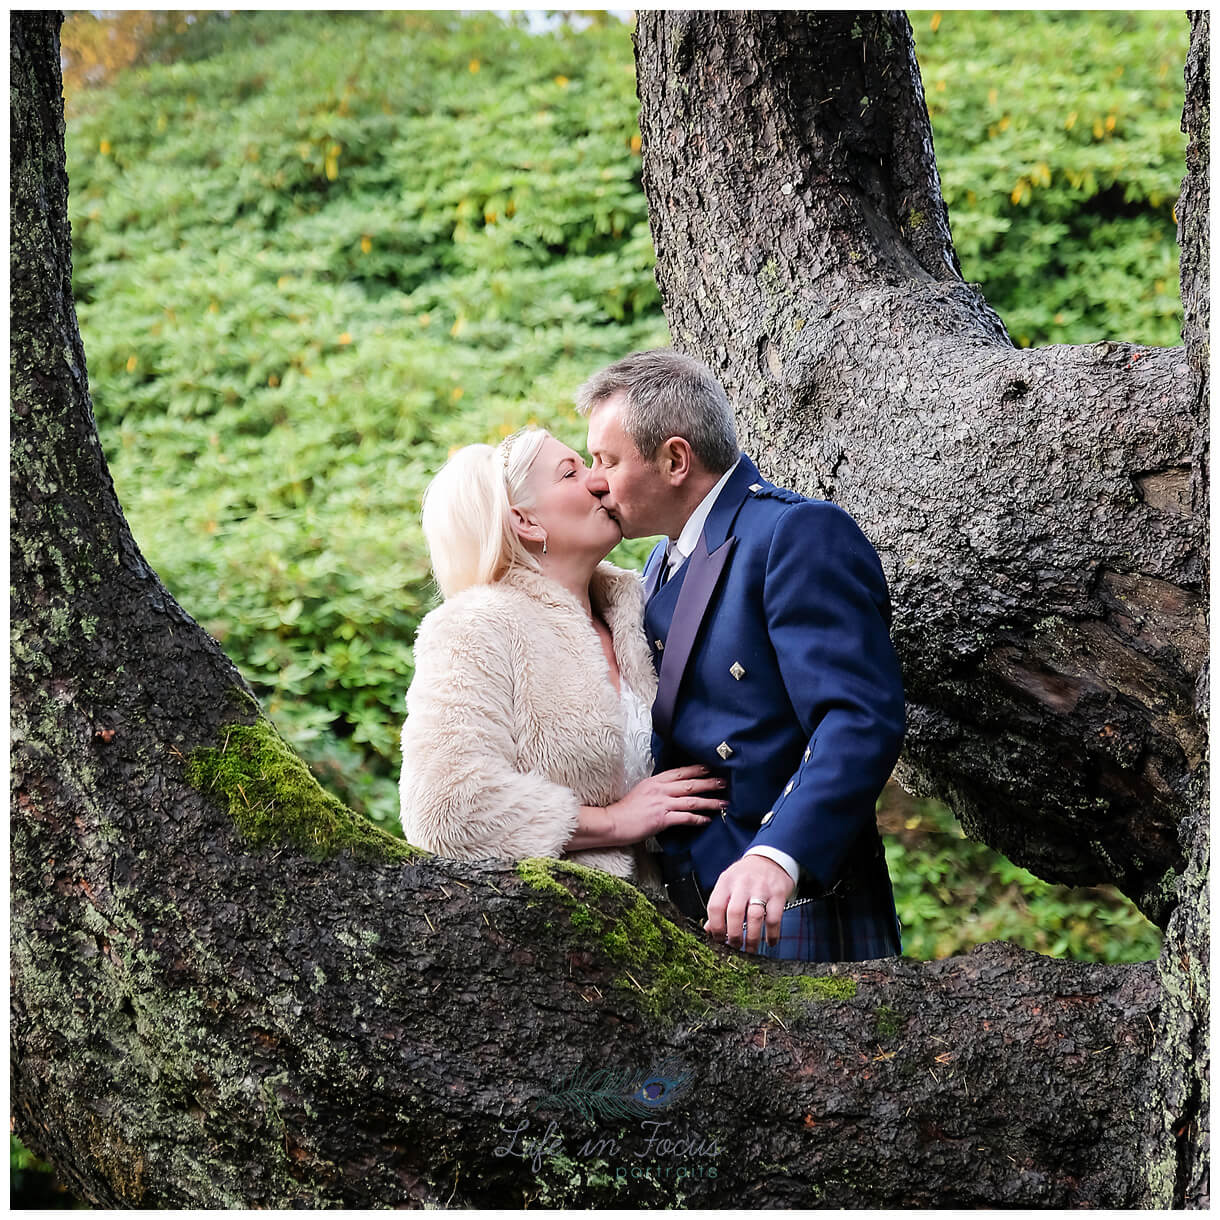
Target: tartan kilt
x=855, y=927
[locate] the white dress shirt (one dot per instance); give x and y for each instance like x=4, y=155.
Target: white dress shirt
x=679, y=550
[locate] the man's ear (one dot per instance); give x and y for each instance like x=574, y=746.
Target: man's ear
x=675, y=460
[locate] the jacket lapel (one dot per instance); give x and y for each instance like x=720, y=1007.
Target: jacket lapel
x=653, y=569
x=699, y=584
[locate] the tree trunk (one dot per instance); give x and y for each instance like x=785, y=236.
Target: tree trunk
x=229, y=991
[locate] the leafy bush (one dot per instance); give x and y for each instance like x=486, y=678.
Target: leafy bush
x=1060, y=152
x=316, y=252
x=953, y=893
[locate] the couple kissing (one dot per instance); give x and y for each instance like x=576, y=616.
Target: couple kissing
x=721, y=727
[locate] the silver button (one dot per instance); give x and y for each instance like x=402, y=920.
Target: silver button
x=724, y=750
x=768, y=816
x=756, y=487
x=737, y=671
x=788, y=788
x=660, y=646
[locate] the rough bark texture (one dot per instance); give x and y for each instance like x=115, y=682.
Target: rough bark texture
x=1039, y=513
x=213, y=1006
x=1179, y=1138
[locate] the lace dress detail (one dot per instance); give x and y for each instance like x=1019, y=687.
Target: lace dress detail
x=637, y=738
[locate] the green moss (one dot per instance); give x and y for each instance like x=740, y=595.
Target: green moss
x=889, y=1022
x=275, y=801
x=663, y=964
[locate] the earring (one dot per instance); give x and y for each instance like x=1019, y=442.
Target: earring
x=544, y=546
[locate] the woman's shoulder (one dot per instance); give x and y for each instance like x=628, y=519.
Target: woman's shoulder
x=482, y=612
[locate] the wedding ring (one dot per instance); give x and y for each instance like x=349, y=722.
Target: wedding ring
x=762, y=902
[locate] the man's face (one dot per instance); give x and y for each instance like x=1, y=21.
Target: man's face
x=632, y=487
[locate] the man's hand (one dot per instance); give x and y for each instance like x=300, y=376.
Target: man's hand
x=729, y=906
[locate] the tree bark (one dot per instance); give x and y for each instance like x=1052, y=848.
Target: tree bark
x=1040, y=514
x=228, y=991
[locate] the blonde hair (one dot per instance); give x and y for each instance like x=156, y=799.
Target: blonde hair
x=467, y=515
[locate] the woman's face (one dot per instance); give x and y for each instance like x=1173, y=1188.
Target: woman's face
x=571, y=515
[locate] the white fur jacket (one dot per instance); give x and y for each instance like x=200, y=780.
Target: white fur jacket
x=513, y=722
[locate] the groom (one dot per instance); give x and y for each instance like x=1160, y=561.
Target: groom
x=768, y=619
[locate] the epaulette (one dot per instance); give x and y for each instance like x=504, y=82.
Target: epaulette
x=765, y=491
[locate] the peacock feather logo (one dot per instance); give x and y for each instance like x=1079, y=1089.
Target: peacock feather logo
x=618, y=1093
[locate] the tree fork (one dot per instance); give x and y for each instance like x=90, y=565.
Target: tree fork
x=201, y=1021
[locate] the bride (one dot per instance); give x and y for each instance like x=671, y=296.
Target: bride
x=528, y=726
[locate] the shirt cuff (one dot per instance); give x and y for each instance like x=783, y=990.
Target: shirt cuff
x=782, y=858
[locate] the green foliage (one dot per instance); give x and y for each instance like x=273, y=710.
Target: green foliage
x=316, y=252
x=953, y=893
x=1060, y=152
x=308, y=264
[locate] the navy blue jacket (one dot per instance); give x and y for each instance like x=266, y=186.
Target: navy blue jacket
x=776, y=671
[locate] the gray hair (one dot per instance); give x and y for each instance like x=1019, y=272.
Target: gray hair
x=668, y=394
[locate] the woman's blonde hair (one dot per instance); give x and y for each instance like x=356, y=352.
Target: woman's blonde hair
x=467, y=515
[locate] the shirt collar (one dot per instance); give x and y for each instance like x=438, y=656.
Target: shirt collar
x=680, y=548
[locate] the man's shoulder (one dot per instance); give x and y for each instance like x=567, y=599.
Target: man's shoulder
x=767, y=506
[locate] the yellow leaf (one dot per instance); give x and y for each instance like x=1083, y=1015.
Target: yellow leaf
x=510, y=208
x=131, y=364
x=366, y=244
x=334, y=150
x=1018, y=192
x=272, y=380
x=456, y=393
x=283, y=282
x=425, y=319
x=636, y=144
x=1110, y=121
x=344, y=339
x=935, y=22
x=1070, y=121
x=458, y=326
x=489, y=217
x=474, y=65
x=332, y=168
x=214, y=307
x=941, y=86
x=104, y=148
x=1004, y=123
x=1098, y=130
x=562, y=82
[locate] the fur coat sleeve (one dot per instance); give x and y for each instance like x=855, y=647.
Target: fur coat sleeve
x=512, y=721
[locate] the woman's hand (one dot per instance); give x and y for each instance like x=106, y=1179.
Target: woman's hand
x=685, y=796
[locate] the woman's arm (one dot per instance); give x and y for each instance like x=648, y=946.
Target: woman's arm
x=461, y=794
